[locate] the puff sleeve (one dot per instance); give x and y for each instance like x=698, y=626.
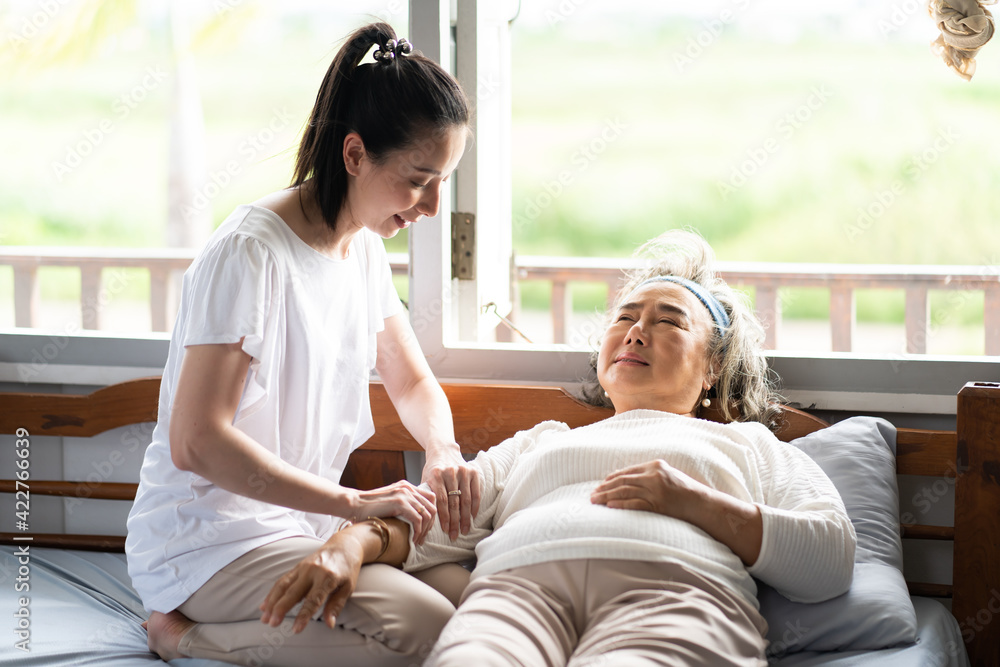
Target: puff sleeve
x=232, y=293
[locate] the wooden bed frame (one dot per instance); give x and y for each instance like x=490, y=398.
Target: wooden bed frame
x=487, y=414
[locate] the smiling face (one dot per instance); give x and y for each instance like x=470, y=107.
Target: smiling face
x=391, y=194
x=654, y=355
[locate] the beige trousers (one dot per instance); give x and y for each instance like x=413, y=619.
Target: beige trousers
x=601, y=612
x=390, y=619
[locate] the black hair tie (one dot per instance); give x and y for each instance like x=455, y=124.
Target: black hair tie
x=393, y=48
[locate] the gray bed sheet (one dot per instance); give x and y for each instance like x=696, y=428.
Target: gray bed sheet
x=83, y=611
x=939, y=644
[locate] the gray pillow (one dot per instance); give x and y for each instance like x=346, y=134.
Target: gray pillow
x=858, y=455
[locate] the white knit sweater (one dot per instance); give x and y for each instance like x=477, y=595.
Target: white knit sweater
x=536, y=505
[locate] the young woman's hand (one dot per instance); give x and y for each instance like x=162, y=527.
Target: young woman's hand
x=323, y=580
x=400, y=499
x=444, y=474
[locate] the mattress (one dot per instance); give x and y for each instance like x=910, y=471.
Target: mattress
x=81, y=610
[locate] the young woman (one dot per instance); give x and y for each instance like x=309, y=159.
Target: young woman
x=633, y=541
x=283, y=316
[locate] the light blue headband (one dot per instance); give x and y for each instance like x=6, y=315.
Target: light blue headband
x=714, y=307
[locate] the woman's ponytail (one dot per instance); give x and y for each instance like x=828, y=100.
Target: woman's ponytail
x=388, y=101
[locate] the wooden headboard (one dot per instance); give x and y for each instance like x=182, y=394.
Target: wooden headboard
x=485, y=415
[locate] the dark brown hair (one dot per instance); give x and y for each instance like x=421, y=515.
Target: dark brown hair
x=391, y=105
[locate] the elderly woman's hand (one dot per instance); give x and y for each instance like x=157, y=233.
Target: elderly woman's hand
x=654, y=486
x=323, y=580
x=445, y=474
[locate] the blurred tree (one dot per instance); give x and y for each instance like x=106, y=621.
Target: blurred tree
x=188, y=226
x=87, y=29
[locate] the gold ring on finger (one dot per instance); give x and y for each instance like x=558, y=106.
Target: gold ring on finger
x=456, y=492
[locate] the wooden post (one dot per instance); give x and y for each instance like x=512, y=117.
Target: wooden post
x=991, y=320
x=615, y=285
x=26, y=295
x=90, y=296
x=161, y=298
x=842, y=318
x=976, y=602
x=916, y=320
x=561, y=307
x=769, y=311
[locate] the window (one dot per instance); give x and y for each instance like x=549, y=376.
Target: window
x=595, y=123
x=754, y=132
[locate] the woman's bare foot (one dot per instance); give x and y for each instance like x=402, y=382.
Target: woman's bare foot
x=165, y=632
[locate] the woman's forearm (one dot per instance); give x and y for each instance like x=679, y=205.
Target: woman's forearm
x=369, y=535
x=423, y=408
x=399, y=543
x=735, y=523
x=232, y=460
x=415, y=393
x=204, y=441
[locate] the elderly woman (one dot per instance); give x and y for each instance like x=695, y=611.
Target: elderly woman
x=635, y=540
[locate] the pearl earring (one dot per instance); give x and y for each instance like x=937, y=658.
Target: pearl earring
x=606, y=395
x=706, y=403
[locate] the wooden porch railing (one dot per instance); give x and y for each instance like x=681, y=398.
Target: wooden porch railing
x=841, y=279
x=163, y=265
x=766, y=279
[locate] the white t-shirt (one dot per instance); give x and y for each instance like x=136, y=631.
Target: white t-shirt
x=309, y=322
